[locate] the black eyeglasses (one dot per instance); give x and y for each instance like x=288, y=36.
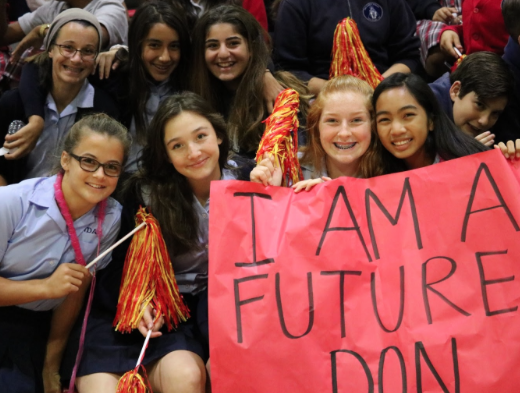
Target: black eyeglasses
x=69, y=52
x=88, y=164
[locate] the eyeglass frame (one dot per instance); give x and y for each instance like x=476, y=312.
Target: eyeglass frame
x=81, y=158
x=81, y=54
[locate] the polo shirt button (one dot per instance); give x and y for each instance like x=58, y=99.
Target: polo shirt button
x=476, y=10
x=476, y=36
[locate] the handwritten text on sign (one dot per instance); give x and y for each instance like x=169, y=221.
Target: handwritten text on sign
x=404, y=283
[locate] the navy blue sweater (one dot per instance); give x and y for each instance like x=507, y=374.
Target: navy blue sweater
x=304, y=34
x=508, y=124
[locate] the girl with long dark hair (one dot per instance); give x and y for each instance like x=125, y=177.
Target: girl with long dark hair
x=230, y=57
x=187, y=148
x=413, y=130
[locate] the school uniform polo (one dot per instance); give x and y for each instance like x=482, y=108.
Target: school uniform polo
x=34, y=239
x=57, y=126
x=158, y=92
x=191, y=268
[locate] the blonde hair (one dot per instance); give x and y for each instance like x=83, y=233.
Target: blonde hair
x=313, y=153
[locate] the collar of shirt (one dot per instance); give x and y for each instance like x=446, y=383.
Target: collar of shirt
x=227, y=174
x=43, y=196
x=158, y=92
x=84, y=99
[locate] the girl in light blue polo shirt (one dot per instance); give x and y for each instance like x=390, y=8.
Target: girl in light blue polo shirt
x=49, y=228
x=187, y=149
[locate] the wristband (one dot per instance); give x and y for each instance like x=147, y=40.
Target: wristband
x=41, y=32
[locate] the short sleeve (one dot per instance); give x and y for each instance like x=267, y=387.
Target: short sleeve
x=112, y=15
x=11, y=211
x=44, y=14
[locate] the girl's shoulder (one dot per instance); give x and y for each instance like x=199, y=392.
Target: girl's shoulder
x=16, y=199
x=113, y=207
x=39, y=189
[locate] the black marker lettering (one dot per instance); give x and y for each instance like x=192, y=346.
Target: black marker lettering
x=401, y=301
x=252, y=195
x=342, y=274
x=420, y=351
x=484, y=168
x=280, y=307
x=484, y=283
x=402, y=365
x=341, y=192
x=428, y=286
x=360, y=359
x=407, y=190
x=239, y=303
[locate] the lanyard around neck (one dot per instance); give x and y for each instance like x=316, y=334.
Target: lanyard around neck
x=65, y=212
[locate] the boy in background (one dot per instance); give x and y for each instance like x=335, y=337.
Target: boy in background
x=476, y=94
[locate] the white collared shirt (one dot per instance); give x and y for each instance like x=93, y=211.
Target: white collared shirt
x=158, y=92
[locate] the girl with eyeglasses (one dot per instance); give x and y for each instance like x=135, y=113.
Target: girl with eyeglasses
x=50, y=228
x=71, y=47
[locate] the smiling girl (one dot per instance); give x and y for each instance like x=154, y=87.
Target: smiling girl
x=49, y=228
x=71, y=46
x=340, y=137
x=230, y=57
x=413, y=129
x=159, y=50
x=186, y=150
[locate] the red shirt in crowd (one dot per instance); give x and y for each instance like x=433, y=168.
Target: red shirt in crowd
x=482, y=27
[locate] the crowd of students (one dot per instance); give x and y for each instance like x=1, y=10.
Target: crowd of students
x=178, y=101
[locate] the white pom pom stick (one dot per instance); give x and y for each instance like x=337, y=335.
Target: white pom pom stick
x=457, y=51
x=116, y=244
x=141, y=355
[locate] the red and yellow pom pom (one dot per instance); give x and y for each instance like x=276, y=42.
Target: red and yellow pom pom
x=280, y=137
x=133, y=382
x=457, y=63
x=148, y=279
x=349, y=56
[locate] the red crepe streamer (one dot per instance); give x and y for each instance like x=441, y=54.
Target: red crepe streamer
x=133, y=382
x=280, y=137
x=457, y=63
x=349, y=56
x=148, y=279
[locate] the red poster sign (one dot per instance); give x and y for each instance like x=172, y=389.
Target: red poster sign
x=403, y=283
